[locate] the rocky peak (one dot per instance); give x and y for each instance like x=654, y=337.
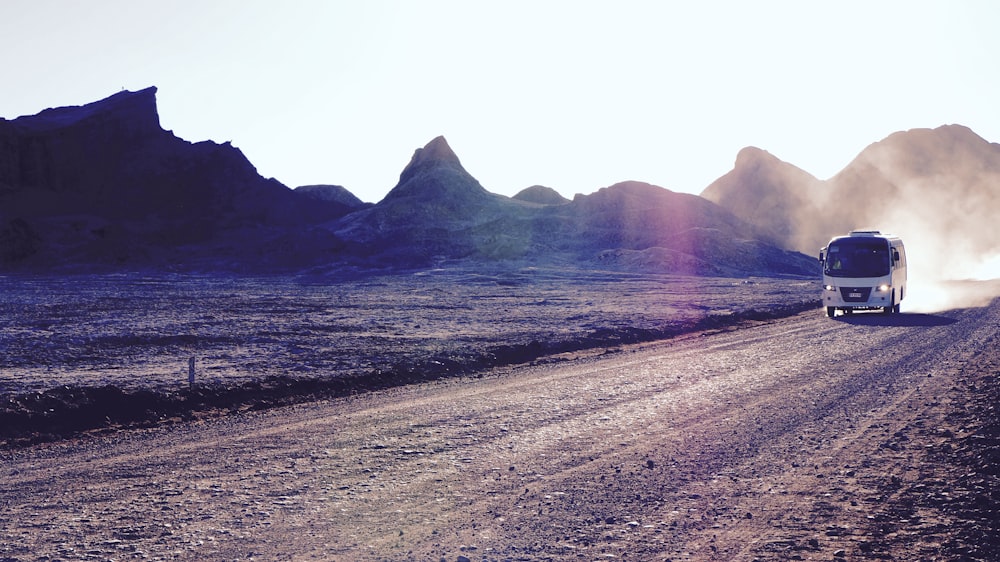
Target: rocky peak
x=78, y=149
x=925, y=152
x=104, y=182
x=436, y=153
x=337, y=194
x=435, y=172
x=752, y=158
x=436, y=150
x=756, y=170
x=766, y=192
x=125, y=113
x=541, y=195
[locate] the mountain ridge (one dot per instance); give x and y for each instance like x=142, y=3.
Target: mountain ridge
x=103, y=183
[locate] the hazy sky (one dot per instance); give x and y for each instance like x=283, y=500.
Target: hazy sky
x=575, y=95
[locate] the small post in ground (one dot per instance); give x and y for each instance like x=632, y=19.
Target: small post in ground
x=191, y=372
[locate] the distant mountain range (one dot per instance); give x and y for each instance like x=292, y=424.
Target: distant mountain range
x=104, y=186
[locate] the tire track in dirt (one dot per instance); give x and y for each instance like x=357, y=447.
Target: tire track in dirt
x=733, y=445
x=718, y=437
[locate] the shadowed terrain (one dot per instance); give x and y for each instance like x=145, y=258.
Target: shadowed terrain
x=103, y=186
x=92, y=351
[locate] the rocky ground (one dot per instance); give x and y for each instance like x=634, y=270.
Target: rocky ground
x=799, y=438
x=89, y=351
x=958, y=474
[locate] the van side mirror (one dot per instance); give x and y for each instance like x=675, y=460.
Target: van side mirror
x=821, y=256
x=895, y=255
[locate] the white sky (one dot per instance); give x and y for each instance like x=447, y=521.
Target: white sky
x=575, y=95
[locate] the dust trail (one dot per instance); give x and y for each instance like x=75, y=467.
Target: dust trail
x=988, y=269
x=939, y=295
x=948, y=267
x=946, y=273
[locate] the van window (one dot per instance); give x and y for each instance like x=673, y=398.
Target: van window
x=853, y=257
x=902, y=256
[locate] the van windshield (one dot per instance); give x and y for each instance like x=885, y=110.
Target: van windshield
x=852, y=257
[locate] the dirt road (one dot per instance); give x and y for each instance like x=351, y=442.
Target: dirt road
x=805, y=438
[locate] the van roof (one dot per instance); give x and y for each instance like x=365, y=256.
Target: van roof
x=891, y=238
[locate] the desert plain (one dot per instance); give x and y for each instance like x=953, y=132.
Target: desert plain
x=530, y=414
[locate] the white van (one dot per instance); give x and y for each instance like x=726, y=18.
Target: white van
x=865, y=270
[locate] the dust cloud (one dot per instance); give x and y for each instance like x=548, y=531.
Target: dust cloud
x=952, y=243
x=944, y=270
x=938, y=190
x=937, y=295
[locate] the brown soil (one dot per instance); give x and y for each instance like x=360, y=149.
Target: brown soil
x=804, y=438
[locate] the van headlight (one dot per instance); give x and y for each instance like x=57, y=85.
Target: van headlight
x=883, y=288
x=829, y=288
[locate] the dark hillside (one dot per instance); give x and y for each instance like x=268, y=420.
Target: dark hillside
x=103, y=183
x=104, y=186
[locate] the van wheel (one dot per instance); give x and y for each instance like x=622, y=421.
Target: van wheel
x=831, y=311
x=893, y=307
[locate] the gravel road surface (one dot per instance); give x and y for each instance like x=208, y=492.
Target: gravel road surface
x=805, y=438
